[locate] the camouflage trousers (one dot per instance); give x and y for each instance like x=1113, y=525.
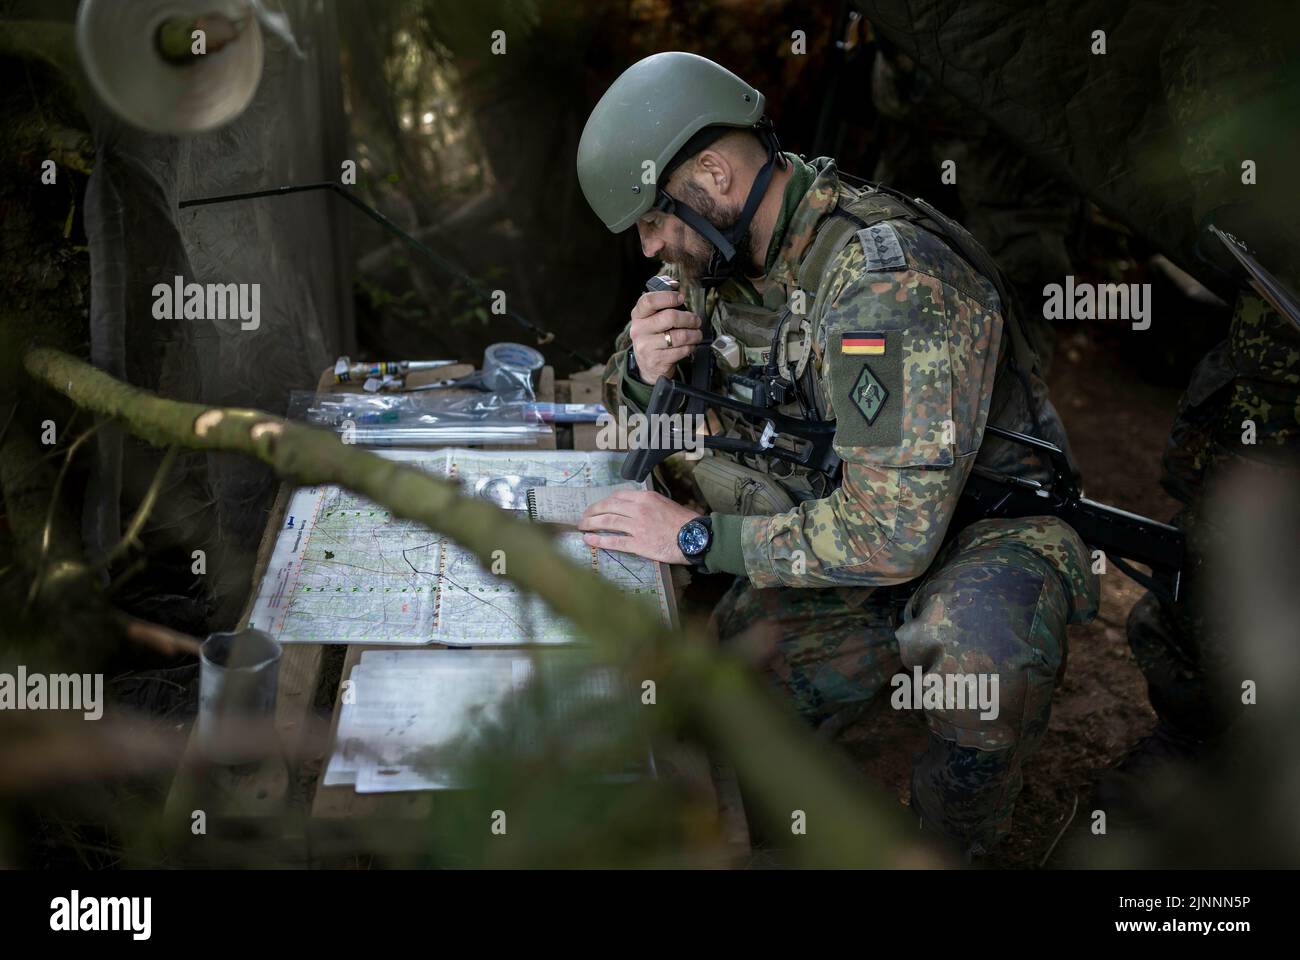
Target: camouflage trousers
x=995, y=602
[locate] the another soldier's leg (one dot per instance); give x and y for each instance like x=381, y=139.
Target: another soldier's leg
x=1166, y=644
x=819, y=647
x=1181, y=649
x=1166, y=655
x=995, y=604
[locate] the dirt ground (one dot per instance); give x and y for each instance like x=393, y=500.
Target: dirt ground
x=1118, y=426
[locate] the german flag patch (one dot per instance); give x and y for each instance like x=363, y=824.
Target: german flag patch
x=862, y=343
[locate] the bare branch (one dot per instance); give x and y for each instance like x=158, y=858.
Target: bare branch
x=46, y=530
x=131, y=536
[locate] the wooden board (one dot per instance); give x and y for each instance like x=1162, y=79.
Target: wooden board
x=585, y=389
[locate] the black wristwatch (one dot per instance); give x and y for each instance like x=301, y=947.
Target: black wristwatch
x=694, y=539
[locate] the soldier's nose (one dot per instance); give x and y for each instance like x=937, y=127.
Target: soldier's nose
x=650, y=244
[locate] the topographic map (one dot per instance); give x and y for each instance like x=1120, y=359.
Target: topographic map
x=343, y=570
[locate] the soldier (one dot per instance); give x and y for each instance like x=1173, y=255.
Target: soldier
x=885, y=317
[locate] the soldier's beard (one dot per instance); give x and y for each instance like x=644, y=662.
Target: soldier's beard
x=692, y=258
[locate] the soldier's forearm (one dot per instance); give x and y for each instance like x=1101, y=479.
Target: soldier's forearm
x=880, y=527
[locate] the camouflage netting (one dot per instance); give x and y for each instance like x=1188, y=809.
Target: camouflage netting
x=1156, y=129
x=293, y=247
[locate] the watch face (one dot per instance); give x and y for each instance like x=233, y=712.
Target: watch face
x=693, y=538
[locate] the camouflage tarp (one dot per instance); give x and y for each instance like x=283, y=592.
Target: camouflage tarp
x=1156, y=129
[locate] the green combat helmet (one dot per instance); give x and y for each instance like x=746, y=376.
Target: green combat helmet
x=661, y=111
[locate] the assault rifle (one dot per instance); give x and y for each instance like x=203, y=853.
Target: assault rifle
x=1125, y=538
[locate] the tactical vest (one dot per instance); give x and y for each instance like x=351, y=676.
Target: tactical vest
x=779, y=337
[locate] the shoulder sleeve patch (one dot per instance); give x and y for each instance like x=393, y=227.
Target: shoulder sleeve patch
x=867, y=374
x=888, y=376
x=881, y=247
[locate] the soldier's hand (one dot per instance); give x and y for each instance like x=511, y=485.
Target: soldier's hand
x=642, y=522
x=662, y=334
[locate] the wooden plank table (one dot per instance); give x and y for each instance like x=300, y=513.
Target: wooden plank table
x=276, y=790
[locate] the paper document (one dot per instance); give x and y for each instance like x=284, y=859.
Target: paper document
x=409, y=719
x=566, y=505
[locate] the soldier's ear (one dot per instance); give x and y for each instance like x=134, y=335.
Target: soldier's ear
x=713, y=167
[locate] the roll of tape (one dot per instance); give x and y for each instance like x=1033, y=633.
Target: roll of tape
x=508, y=366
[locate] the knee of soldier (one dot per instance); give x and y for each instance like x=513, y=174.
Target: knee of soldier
x=1054, y=541
x=989, y=624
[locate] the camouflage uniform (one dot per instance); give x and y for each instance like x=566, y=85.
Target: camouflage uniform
x=829, y=572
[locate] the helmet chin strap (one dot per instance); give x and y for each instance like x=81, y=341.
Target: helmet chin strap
x=724, y=262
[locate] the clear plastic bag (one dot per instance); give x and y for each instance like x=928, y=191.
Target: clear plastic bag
x=423, y=419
